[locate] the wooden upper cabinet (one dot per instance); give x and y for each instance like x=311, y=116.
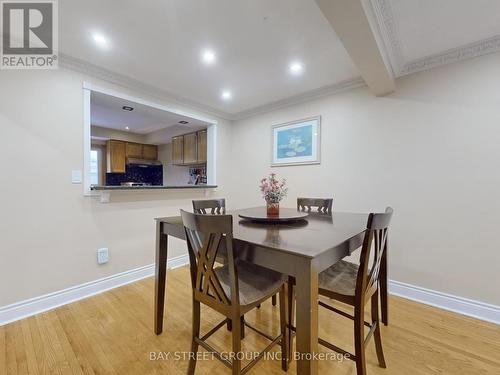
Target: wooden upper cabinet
x=116, y=155
x=150, y=152
x=134, y=150
x=178, y=150
x=202, y=146
x=190, y=147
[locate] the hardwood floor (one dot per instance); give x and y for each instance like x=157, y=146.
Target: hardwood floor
x=112, y=333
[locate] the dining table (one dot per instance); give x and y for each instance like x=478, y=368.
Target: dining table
x=301, y=249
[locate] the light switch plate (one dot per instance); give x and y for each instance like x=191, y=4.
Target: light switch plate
x=76, y=176
x=102, y=255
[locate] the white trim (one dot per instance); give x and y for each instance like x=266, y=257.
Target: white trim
x=469, y=51
x=389, y=32
x=212, y=155
x=33, y=306
x=91, y=70
x=460, y=305
x=149, y=103
x=302, y=98
x=88, y=88
x=87, y=142
x=78, y=65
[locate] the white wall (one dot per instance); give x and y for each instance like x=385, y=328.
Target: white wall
x=173, y=175
x=49, y=231
x=431, y=151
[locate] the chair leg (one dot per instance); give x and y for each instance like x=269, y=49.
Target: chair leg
x=359, y=340
x=196, y=333
x=376, y=334
x=274, y=300
x=236, y=334
x=284, y=326
x=242, y=326
x=291, y=304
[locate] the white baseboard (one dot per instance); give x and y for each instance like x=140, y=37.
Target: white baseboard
x=464, y=306
x=33, y=306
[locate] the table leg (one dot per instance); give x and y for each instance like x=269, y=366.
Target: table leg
x=384, y=302
x=307, y=319
x=160, y=276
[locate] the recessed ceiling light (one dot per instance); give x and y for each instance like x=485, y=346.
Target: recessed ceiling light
x=208, y=56
x=127, y=108
x=227, y=95
x=296, y=68
x=101, y=40
x=127, y=128
x=183, y=122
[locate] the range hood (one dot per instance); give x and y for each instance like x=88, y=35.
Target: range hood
x=145, y=162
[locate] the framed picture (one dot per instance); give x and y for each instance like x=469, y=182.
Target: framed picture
x=296, y=142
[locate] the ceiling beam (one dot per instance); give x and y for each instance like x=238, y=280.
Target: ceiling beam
x=351, y=24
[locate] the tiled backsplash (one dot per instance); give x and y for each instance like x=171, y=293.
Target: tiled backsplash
x=152, y=174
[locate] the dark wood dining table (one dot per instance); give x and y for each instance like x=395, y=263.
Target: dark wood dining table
x=302, y=250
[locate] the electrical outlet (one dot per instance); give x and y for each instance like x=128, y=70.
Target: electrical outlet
x=102, y=255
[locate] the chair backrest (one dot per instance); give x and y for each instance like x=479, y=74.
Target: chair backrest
x=376, y=234
x=211, y=206
x=205, y=234
x=323, y=206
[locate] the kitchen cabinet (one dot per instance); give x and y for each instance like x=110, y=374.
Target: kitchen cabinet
x=134, y=150
x=190, y=148
x=116, y=156
x=142, y=151
x=178, y=150
x=202, y=147
x=150, y=152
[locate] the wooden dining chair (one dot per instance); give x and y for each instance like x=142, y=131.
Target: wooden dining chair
x=324, y=206
x=232, y=289
x=355, y=285
x=210, y=206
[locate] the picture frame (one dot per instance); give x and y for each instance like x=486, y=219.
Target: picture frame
x=296, y=142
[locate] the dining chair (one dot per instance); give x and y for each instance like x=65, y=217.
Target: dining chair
x=215, y=206
x=322, y=205
x=355, y=285
x=232, y=289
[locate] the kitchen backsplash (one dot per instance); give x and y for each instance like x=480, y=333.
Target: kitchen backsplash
x=134, y=173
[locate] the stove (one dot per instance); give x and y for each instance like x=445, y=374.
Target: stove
x=135, y=184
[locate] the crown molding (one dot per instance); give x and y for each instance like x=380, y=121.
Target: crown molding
x=389, y=32
x=384, y=21
x=303, y=97
x=92, y=70
x=82, y=66
x=469, y=51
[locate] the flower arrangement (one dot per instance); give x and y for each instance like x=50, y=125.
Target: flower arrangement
x=273, y=191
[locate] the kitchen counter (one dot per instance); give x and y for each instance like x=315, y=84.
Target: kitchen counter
x=160, y=187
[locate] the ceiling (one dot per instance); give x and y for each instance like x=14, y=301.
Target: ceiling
x=421, y=34
x=107, y=112
x=158, y=43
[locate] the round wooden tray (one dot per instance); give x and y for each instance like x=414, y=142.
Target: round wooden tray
x=259, y=215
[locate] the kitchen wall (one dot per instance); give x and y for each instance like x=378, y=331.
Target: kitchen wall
x=50, y=231
x=430, y=150
x=173, y=175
